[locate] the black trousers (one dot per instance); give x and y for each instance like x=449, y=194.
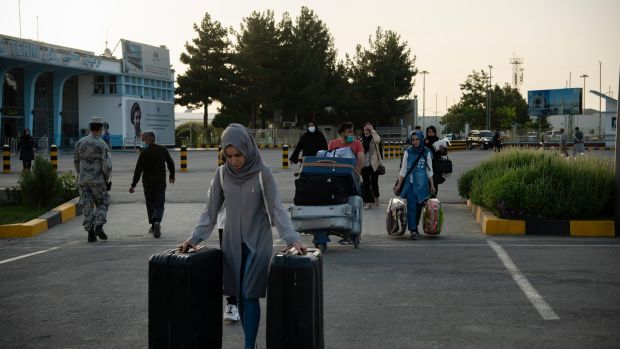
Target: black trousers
x=370, y=184
x=155, y=196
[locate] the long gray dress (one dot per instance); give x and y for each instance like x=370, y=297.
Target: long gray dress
x=246, y=222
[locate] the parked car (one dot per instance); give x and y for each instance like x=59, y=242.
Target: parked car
x=532, y=136
x=552, y=136
x=482, y=139
x=450, y=136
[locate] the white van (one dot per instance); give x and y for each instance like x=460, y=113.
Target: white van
x=552, y=136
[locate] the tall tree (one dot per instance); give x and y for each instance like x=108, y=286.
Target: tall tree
x=256, y=70
x=381, y=77
x=507, y=105
x=307, y=58
x=208, y=77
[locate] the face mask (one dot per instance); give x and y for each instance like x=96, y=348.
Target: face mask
x=311, y=129
x=349, y=139
x=145, y=145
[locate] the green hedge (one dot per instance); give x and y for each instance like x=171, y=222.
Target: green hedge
x=525, y=183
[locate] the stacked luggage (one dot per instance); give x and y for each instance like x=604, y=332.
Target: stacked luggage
x=328, y=196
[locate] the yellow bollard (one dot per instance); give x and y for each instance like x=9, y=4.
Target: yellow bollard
x=6, y=159
x=184, y=158
x=54, y=156
x=285, y=156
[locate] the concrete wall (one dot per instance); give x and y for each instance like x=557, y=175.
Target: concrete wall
x=106, y=106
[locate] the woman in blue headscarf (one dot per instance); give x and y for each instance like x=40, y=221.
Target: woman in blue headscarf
x=418, y=185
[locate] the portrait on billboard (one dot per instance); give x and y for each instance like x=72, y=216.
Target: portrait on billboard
x=136, y=118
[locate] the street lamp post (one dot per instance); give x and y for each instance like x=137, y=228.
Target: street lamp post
x=600, y=90
x=424, y=72
x=583, y=106
x=489, y=99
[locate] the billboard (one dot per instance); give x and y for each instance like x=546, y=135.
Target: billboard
x=145, y=60
x=561, y=101
x=146, y=115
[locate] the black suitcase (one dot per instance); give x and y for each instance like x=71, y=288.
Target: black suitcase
x=295, y=301
x=185, y=299
x=321, y=190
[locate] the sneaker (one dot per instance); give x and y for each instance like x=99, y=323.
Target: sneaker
x=156, y=230
x=100, y=234
x=414, y=235
x=91, y=235
x=232, y=313
x=367, y=206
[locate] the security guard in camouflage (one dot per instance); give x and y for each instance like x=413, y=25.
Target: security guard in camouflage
x=93, y=163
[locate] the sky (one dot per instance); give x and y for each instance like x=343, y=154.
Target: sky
x=557, y=40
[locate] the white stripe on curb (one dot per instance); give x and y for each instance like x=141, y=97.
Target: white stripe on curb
x=530, y=292
x=28, y=255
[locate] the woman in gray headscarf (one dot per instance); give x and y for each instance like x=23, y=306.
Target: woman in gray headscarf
x=246, y=241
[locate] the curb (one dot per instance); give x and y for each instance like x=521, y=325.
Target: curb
x=34, y=227
x=491, y=225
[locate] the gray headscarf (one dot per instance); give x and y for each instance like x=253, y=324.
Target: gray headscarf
x=239, y=137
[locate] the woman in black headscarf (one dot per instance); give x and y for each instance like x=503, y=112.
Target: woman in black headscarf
x=431, y=137
x=310, y=143
x=372, y=160
x=25, y=147
x=246, y=241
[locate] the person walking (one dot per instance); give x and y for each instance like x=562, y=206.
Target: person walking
x=429, y=140
x=247, y=189
x=372, y=161
x=415, y=180
x=93, y=164
x=309, y=143
x=578, y=146
x=25, y=147
x=563, y=142
x=497, y=141
x=151, y=166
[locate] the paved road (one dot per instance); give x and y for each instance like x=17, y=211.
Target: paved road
x=462, y=290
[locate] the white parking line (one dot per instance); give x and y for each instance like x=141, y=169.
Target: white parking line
x=28, y=255
x=530, y=292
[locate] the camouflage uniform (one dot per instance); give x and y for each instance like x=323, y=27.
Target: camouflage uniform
x=93, y=163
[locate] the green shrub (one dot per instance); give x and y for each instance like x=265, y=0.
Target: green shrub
x=524, y=183
x=40, y=185
x=68, y=187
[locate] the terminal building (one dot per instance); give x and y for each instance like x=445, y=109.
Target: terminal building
x=54, y=91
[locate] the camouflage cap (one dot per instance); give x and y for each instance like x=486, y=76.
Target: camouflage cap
x=96, y=120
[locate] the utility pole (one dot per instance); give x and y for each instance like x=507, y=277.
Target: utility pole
x=489, y=99
x=424, y=72
x=584, y=76
x=600, y=98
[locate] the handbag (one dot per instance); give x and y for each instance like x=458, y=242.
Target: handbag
x=443, y=166
x=408, y=172
x=381, y=170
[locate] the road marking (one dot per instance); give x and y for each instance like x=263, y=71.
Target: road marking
x=28, y=255
x=530, y=292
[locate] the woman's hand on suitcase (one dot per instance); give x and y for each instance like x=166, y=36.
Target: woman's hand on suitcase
x=301, y=248
x=186, y=245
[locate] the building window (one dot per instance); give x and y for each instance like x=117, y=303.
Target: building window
x=105, y=85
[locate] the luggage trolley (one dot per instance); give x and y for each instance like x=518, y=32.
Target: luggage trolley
x=327, y=198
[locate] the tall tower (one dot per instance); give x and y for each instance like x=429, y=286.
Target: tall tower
x=517, y=71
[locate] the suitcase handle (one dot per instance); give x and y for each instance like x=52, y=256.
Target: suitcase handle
x=293, y=251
